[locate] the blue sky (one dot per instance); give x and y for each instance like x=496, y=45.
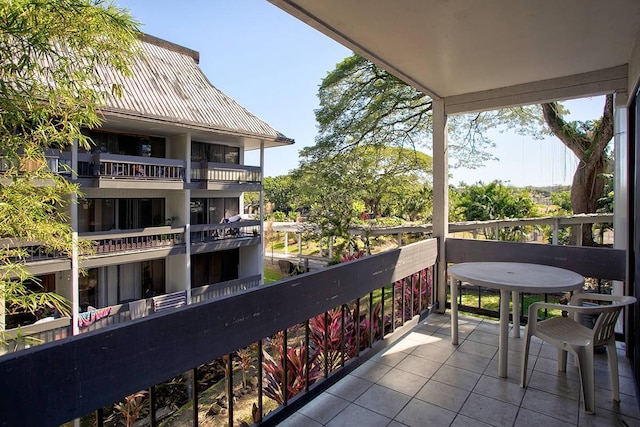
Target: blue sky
x=272, y=65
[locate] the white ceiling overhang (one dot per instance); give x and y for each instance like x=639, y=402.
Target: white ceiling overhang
x=478, y=55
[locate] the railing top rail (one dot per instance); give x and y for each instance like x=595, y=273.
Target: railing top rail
x=599, y=263
x=120, y=158
x=122, y=234
x=224, y=226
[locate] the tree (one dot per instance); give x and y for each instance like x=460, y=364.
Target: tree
x=280, y=192
x=494, y=201
x=361, y=104
x=54, y=56
x=588, y=141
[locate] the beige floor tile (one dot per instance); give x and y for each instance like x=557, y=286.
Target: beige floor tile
x=402, y=381
x=500, y=389
x=528, y=418
x=456, y=377
x=299, y=420
x=464, y=421
x=478, y=349
x=354, y=415
x=552, y=405
x=350, y=387
x=419, y=366
x=558, y=385
x=484, y=337
x=383, y=400
x=443, y=395
x=468, y=361
x=490, y=411
x=389, y=357
x=602, y=417
x=435, y=353
x=371, y=371
x=324, y=407
x=418, y=413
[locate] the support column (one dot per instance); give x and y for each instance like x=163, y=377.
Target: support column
x=440, y=196
x=75, y=268
x=621, y=195
x=262, y=228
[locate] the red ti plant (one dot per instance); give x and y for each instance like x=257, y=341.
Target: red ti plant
x=296, y=357
x=417, y=289
x=333, y=335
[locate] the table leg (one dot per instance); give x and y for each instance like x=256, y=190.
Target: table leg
x=504, y=333
x=454, y=311
x=515, y=300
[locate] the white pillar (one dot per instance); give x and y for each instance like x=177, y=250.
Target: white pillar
x=75, y=270
x=286, y=243
x=440, y=196
x=262, y=229
x=621, y=195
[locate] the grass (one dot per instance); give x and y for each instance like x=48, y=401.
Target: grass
x=491, y=301
x=271, y=274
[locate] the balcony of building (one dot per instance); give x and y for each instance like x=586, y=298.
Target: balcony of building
x=212, y=237
x=123, y=246
x=363, y=341
x=222, y=176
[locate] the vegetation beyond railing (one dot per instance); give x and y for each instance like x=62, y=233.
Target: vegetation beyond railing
x=271, y=344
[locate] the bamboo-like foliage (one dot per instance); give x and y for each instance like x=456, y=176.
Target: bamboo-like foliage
x=53, y=57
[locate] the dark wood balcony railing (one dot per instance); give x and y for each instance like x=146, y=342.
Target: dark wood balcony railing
x=223, y=172
x=139, y=239
x=329, y=319
x=204, y=233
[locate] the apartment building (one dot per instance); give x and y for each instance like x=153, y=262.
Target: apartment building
x=161, y=201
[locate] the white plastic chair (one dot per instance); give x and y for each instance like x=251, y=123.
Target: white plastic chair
x=568, y=334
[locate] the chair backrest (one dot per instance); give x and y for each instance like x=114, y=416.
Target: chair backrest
x=604, y=327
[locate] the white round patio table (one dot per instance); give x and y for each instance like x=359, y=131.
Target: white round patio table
x=514, y=277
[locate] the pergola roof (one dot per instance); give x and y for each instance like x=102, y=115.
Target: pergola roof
x=486, y=54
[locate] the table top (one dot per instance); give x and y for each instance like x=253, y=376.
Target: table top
x=517, y=276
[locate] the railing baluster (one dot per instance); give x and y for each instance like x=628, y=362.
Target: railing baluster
x=230, y=398
x=326, y=344
x=260, y=381
x=285, y=379
x=307, y=361
x=342, y=358
x=356, y=325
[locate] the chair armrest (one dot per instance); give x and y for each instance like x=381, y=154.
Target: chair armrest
x=533, y=308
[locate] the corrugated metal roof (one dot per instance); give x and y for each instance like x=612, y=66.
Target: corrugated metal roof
x=168, y=85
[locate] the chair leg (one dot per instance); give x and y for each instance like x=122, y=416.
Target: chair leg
x=525, y=357
x=612, y=357
x=562, y=360
x=585, y=364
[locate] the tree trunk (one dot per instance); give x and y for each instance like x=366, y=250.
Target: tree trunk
x=586, y=189
x=589, y=144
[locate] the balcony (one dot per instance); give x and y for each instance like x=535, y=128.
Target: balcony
x=223, y=176
x=132, y=245
x=409, y=368
x=209, y=237
x=104, y=170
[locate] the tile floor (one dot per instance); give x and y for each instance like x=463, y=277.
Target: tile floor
x=424, y=380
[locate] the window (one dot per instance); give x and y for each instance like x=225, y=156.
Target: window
x=123, y=214
x=214, y=153
x=131, y=145
x=214, y=267
x=217, y=208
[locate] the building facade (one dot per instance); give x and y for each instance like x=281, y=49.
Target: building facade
x=160, y=218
